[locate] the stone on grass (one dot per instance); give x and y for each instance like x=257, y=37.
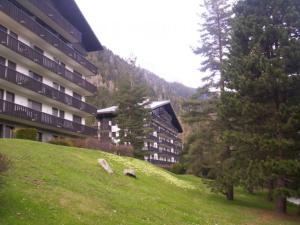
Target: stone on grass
x=105, y=166
x=129, y=172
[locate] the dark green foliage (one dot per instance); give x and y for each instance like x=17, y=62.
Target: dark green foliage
x=61, y=141
x=26, y=133
x=133, y=117
x=214, y=35
x=261, y=106
x=178, y=168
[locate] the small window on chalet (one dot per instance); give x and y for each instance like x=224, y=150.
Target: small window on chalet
x=77, y=119
x=35, y=105
x=77, y=96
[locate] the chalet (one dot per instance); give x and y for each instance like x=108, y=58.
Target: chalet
x=163, y=144
x=44, y=69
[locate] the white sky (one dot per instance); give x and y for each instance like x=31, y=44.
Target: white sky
x=160, y=33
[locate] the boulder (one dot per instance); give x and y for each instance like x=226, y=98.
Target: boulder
x=129, y=172
x=104, y=164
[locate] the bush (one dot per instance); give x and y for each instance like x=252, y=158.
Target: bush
x=4, y=163
x=94, y=143
x=61, y=141
x=178, y=168
x=26, y=133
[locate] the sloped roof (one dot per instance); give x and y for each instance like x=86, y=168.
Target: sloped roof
x=112, y=111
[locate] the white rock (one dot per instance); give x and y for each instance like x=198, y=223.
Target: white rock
x=129, y=172
x=105, y=166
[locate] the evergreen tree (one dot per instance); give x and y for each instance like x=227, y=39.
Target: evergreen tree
x=214, y=34
x=260, y=108
x=133, y=117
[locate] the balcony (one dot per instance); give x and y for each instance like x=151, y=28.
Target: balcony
x=29, y=83
x=9, y=109
x=38, y=58
x=26, y=20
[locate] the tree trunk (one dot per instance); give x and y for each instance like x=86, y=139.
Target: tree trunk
x=281, y=204
x=270, y=187
x=230, y=193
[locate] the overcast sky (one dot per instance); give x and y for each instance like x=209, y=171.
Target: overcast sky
x=160, y=33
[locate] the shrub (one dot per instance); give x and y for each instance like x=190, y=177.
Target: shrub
x=26, y=133
x=4, y=163
x=178, y=168
x=61, y=141
x=94, y=143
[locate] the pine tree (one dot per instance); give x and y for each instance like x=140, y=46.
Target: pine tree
x=133, y=117
x=261, y=105
x=214, y=35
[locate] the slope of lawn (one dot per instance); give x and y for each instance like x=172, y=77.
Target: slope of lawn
x=54, y=185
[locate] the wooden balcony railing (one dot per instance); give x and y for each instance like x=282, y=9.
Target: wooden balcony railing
x=26, y=20
x=30, y=53
x=21, y=112
x=29, y=83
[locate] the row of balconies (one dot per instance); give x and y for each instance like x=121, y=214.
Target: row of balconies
x=35, y=56
x=29, y=83
x=27, y=21
x=10, y=109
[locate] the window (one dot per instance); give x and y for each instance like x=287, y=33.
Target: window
x=62, y=89
x=40, y=136
x=77, y=119
x=55, y=112
x=9, y=132
x=13, y=34
x=77, y=73
x=2, y=28
x=1, y=94
x=61, y=114
x=76, y=95
x=12, y=65
x=35, y=76
x=56, y=85
x=35, y=105
x=10, y=97
x=2, y=61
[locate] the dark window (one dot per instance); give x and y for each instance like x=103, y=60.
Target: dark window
x=10, y=97
x=62, y=64
x=13, y=34
x=1, y=131
x=2, y=61
x=36, y=76
x=61, y=114
x=9, y=132
x=77, y=119
x=55, y=112
x=76, y=95
x=12, y=65
x=2, y=28
x=35, y=105
x=1, y=94
x=62, y=89
x=40, y=136
x=38, y=49
x=56, y=86
x=77, y=73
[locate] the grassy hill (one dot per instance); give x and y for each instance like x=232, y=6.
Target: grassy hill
x=49, y=184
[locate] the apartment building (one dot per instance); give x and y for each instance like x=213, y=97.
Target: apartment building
x=44, y=69
x=163, y=144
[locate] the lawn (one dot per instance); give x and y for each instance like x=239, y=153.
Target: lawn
x=54, y=185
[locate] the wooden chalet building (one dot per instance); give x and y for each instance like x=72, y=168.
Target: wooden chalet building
x=163, y=144
x=44, y=69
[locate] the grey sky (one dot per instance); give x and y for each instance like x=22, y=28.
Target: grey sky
x=160, y=33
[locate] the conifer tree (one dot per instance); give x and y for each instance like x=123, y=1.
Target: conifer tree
x=133, y=117
x=214, y=34
x=261, y=105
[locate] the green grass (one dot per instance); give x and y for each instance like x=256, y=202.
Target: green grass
x=49, y=184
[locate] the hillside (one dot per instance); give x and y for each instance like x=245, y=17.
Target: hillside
x=113, y=69
x=53, y=185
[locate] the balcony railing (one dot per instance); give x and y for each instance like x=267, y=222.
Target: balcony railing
x=57, y=18
x=23, y=18
x=30, y=53
x=43, y=89
x=21, y=112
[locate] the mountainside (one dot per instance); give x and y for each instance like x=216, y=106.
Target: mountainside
x=55, y=185
x=113, y=69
